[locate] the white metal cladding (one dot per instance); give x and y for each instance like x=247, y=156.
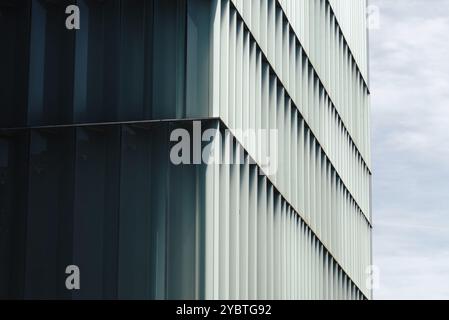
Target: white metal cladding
x=252, y=95
x=264, y=78
x=279, y=25
x=259, y=247
x=351, y=16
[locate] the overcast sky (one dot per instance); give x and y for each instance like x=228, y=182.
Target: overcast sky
x=410, y=114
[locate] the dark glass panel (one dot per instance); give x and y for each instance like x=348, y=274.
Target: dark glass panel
x=50, y=213
x=13, y=206
x=198, y=62
x=143, y=206
x=106, y=199
x=95, y=220
x=50, y=97
x=104, y=71
x=136, y=60
x=183, y=230
x=14, y=37
x=96, y=96
x=169, y=59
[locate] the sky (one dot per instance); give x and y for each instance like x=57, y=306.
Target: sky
x=409, y=74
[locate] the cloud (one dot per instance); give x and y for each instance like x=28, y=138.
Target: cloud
x=410, y=121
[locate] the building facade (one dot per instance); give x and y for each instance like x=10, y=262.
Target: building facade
x=269, y=199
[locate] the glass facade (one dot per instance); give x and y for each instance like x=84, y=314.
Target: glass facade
x=86, y=178
x=105, y=71
x=77, y=185
x=105, y=198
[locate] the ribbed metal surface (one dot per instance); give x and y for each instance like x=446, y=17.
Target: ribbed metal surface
x=277, y=25
x=258, y=246
x=298, y=230
x=266, y=79
x=351, y=16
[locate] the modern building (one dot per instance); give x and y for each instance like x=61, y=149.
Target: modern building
x=91, y=125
